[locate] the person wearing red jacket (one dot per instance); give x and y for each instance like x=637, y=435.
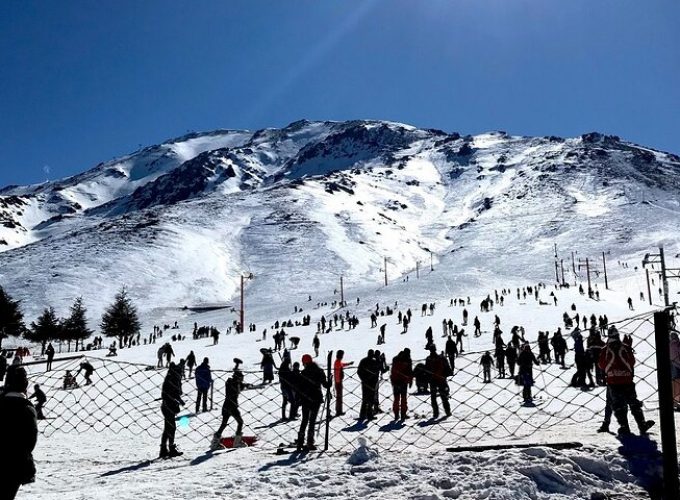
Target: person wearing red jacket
x=401, y=378
x=338, y=377
x=618, y=361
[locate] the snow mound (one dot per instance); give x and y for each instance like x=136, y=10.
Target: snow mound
x=362, y=454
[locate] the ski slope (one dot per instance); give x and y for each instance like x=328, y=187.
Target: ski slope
x=409, y=462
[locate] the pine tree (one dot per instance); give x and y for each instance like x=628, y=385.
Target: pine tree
x=11, y=317
x=120, y=319
x=75, y=326
x=46, y=329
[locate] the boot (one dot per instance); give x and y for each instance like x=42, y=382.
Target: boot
x=238, y=441
x=215, y=444
x=396, y=415
x=646, y=426
x=174, y=452
x=603, y=428
x=164, y=452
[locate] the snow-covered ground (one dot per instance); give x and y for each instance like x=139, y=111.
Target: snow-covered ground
x=408, y=461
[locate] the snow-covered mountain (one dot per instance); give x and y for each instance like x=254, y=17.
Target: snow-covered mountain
x=177, y=223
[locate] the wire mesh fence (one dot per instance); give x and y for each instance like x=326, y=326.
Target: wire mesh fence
x=125, y=397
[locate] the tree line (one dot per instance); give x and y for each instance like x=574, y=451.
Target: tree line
x=120, y=320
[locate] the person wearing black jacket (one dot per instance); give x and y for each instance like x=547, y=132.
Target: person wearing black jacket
x=438, y=369
x=41, y=399
x=525, y=362
x=19, y=434
x=368, y=372
x=191, y=362
x=50, y=356
x=171, y=397
x=312, y=378
x=401, y=378
x=232, y=389
x=203, y=383
x=451, y=352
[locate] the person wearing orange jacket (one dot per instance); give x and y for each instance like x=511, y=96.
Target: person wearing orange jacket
x=401, y=377
x=618, y=361
x=338, y=377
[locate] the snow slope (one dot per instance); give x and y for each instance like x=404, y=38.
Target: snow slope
x=411, y=462
x=177, y=223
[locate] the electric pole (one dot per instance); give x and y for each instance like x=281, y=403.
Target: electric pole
x=431, y=266
x=649, y=290
x=604, y=267
x=663, y=277
x=665, y=272
x=243, y=311
x=385, y=271
x=562, y=268
x=590, y=290
x=342, y=293
x=417, y=270
x=557, y=276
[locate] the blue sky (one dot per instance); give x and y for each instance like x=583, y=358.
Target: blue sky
x=82, y=81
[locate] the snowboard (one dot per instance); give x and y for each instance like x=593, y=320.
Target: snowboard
x=228, y=442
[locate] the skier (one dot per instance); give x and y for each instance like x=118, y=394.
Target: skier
x=88, y=369
x=465, y=317
x=40, y=399
x=171, y=397
x=311, y=397
x=401, y=378
x=478, y=329
x=486, y=362
x=630, y=303
x=618, y=361
x=438, y=369
x=368, y=372
x=338, y=377
x=20, y=434
x=525, y=361
x=191, y=362
x=203, y=383
x=232, y=389
x=49, y=352
x=559, y=345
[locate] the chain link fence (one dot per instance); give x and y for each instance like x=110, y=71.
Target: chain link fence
x=125, y=397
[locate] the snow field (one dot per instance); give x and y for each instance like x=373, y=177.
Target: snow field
x=411, y=459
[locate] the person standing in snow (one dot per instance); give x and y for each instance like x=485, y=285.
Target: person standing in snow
x=618, y=362
x=171, y=397
x=368, y=372
x=486, y=362
x=312, y=379
x=526, y=361
x=401, y=378
x=316, y=343
x=49, y=352
x=232, y=389
x=203, y=383
x=191, y=362
x=338, y=377
x=438, y=369
x=19, y=434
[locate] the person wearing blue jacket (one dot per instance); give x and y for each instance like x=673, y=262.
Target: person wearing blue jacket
x=203, y=383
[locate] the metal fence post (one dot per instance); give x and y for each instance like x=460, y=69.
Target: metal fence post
x=671, y=484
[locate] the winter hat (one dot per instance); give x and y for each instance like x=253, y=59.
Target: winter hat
x=613, y=333
x=307, y=359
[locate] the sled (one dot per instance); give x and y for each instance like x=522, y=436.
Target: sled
x=228, y=442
